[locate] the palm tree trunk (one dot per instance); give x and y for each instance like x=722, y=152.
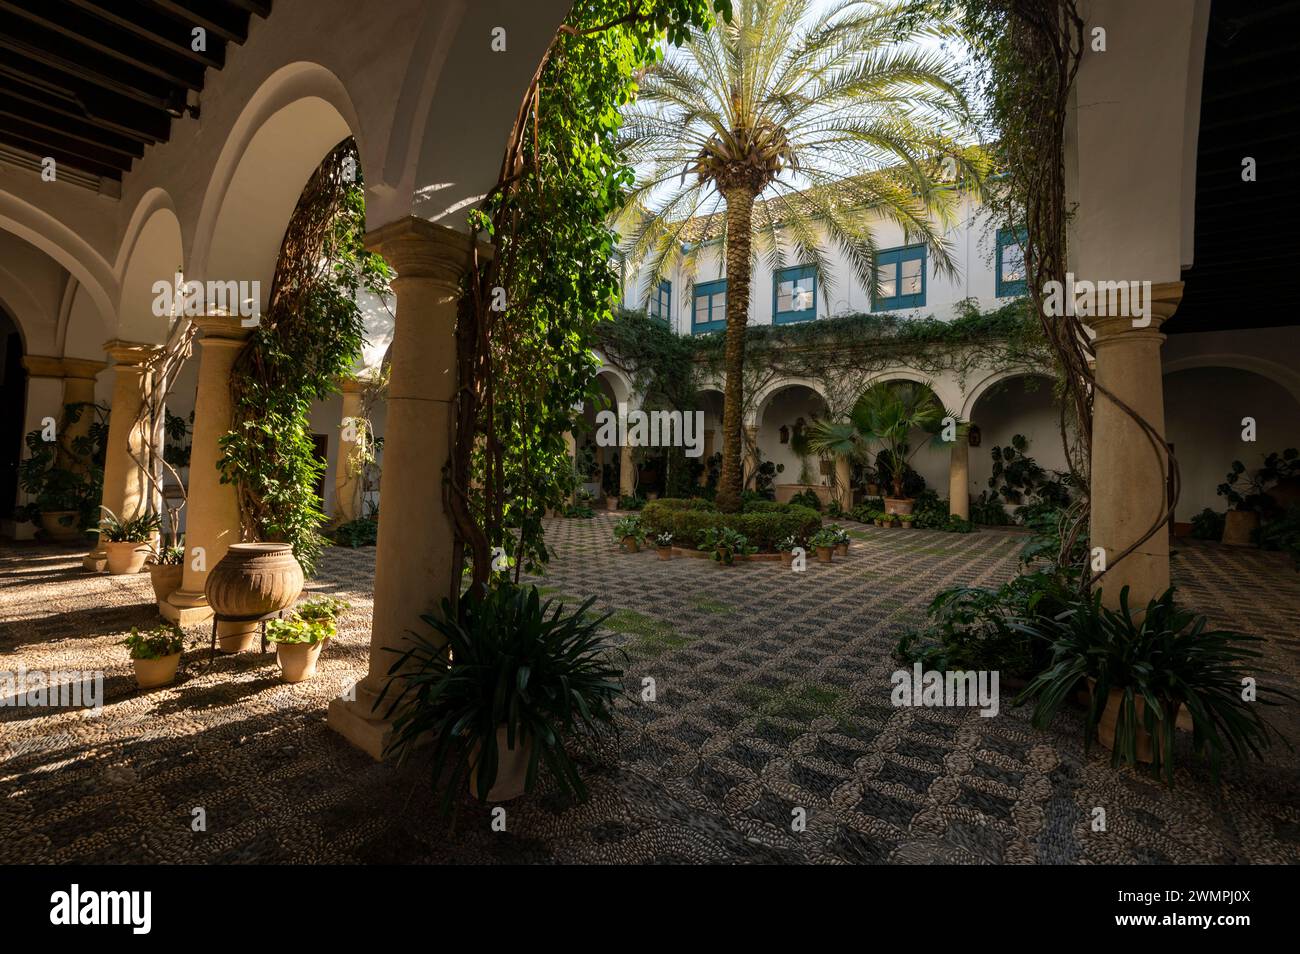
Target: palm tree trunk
x=740, y=209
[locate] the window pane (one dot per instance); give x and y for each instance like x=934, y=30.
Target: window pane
x=803, y=294
x=1013, y=263
x=887, y=275
x=719, y=306
x=701, y=309
x=654, y=307
x=784, y=295
x=911, y=284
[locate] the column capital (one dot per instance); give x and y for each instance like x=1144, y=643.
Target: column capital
x=351, y=385
x=418, y=248
x=1163, y=302
x=222, y=329
x=48, y=366
x=130, y=353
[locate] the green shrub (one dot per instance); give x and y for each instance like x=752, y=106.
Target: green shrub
x=866, y=511
x=362, y=532
x=1208, y=525
x=631, y=503
x=762, y=522
x=807, y=498
x=1282, y=533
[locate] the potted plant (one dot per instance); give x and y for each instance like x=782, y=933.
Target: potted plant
x=64, y=480
x=298, y=643
x=166, y=569
x=842, y=539
x=497, y=689
x=629, y=532
x=155, y=654
x=906, y=520
x=824, y=542
x=786, y=546
x=326, y=609
x=127, y=543
x=1247, y=494
x=1141, y=669
x=724, y=544
x=664, y=545
x=886, y=415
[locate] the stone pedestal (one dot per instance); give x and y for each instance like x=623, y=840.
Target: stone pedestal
x=126, y=486
x=347, y=473
x=413, y=571
x=959, y=477
x=1128, y=473
x=212, y=513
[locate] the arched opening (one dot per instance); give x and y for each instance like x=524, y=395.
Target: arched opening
x=597, y=463
x=925, y=459
x=784, y=417
x=1205, y=413
x=1012, y=408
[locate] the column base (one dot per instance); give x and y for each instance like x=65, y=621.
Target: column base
x=189, y=612
x=357, y=723
x=95, y=562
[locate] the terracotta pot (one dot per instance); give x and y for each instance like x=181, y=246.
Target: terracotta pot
x=842, y=549
x=611, y=503
x=629, y=544
x=152, y=673
x=512, y=768
x=235, y=637
x=787, y=559
x=166, y=580
x=254, y=580
x=825, y=554
x=1238, y=526
x=298, y=660
x=124, y=558
x=1110, y=715
x=665, y=553
x=897, y=505
x=62, y=526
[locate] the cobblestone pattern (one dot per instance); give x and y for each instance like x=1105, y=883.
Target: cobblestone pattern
x=772, y=694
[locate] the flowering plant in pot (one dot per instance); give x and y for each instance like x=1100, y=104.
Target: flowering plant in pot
x=127, y=543
x=842, y=539
x=155, y=654
x=724, y=544
x=499, y=688
x=298, y=643
x=1141, y=668
x=824, y=542
x=664, y=545
x=786, y=547
x=629, y=532
x=166, y=569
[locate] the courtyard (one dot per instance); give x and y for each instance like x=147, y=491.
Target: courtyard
x=772, y=694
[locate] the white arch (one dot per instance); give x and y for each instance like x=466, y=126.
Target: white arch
x=764, y=396
x=1279, y=374
x=66, y=247
x=997, y=377
x=619, y=383
x=295, y=83
x=152, y=250
x=941, y=388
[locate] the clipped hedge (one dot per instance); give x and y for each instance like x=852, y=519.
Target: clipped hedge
x=762, y=522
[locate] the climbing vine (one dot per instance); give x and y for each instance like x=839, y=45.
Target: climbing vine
x=310, y=334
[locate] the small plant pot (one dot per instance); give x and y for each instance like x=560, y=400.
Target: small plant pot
x=905, y=524
x=665, y=553
x=126, y=558
x=611, y=503
x=880, y=523
x=787, y=559
x=62, y=526
x=152, y=673
x=166, y=580
x=629, y=544
x=1110, y=715
x=842, y=549
x=512, y=768
x=1239, y=527
x=825, y=554
x=235, y=637
x=721, y=560
x=298, y=660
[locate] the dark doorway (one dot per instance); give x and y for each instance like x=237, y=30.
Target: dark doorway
x=13, y=398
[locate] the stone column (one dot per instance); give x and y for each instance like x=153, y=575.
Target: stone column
x=347, y=480
x=78, y=388
x=1128, y=473
x=749, y=471
x=212, y=511
x=571, y=451
x=126, y=486
x=413, y=571
x=843, y=478
x=959, y=476
x=626, y=471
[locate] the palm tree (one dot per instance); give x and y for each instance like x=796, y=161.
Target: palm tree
x=887, y=414
x=836, y=122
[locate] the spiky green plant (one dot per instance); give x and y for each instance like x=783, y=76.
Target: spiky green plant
x=838, y=122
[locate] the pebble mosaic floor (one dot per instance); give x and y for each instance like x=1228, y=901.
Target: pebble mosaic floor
x=773, y=695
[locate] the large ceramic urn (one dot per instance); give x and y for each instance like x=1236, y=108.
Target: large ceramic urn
x=254, y=580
